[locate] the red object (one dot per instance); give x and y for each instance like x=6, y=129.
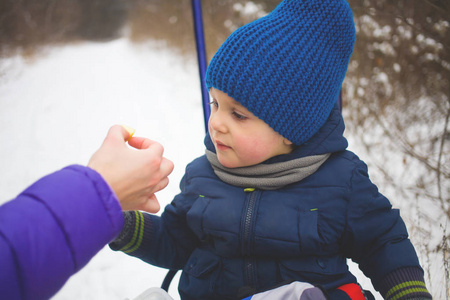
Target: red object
x=353, y=291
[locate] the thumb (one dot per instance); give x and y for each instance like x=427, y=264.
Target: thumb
x=119, y=134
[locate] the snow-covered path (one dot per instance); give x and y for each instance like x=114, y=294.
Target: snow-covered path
x=56, y=111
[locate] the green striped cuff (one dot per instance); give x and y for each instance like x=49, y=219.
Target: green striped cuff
x=406, y=289
x=132, y=233
x=405, y=283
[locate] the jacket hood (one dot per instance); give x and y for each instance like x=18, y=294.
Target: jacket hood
x=328, y=139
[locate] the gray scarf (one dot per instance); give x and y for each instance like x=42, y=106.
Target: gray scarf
x=267, y=176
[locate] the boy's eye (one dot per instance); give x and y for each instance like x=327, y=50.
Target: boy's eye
x=214, y=103
x=239, y=116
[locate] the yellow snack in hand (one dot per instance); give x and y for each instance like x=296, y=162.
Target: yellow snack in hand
x=130, y=130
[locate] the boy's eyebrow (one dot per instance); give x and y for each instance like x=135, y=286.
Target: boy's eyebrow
x=237, y=103
x=211, y=93
x=232, y=101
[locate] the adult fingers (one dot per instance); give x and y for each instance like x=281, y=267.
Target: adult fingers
x=162, y=184
x=141, y=142
x=166, y=167
x=118, y=134
x=151, y=205
x=160, y=178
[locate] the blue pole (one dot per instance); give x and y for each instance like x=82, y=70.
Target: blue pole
x=339, y=100
x=201, y=57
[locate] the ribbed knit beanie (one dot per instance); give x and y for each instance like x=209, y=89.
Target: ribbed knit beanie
x=287, y=68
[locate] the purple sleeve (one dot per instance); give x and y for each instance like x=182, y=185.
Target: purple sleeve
x=52, y=229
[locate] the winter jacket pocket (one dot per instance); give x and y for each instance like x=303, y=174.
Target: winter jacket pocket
x=308, y=232
x=201, y=263
x=195, y=216
x=199, y=275
x=312, y=269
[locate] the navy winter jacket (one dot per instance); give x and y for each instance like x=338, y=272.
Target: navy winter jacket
x=226, y=237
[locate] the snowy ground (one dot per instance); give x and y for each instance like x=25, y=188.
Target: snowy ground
x=55, y=111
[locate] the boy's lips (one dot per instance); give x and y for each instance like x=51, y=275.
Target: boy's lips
x=221, y=146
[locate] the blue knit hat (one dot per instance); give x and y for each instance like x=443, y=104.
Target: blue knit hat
x=287, y=68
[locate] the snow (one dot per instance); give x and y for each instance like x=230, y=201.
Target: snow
x=249, y=9
x=55, y=110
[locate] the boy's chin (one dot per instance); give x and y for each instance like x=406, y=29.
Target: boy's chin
x=227, y=163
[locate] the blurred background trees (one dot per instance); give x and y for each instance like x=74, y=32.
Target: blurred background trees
x=399, y=86
x=29, y=25
x=396, y=93
x=396, y=105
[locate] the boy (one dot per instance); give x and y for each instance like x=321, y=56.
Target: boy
x=277, y=198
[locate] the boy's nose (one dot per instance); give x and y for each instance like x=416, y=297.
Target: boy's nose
x=217, y=123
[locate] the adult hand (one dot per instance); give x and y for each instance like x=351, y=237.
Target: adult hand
x=134, y=175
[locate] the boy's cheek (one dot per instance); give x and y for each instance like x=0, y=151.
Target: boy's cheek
x=250, y=149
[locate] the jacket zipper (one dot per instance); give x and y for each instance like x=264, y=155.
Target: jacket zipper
x=248, y=218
